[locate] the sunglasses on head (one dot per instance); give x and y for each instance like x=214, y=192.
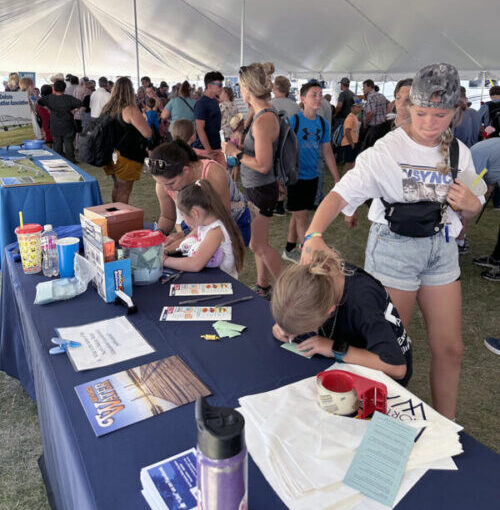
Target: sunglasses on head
x=158, y=165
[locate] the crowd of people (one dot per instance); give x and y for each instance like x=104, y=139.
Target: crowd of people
x=413, y=161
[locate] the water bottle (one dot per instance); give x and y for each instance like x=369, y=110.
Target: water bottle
x=221, y=458
x=50, y=261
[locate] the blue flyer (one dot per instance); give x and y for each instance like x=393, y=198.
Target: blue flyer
x=171, y=483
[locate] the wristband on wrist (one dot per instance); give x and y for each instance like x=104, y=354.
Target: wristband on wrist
x=311, y=235
x=339, y=350
x=339, y=356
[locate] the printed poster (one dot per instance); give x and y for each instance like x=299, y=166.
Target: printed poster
x=130, y=396
x=14, y=109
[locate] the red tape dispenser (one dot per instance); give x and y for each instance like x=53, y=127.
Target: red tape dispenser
x=346, y=394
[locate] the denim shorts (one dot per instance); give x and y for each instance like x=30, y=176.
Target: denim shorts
x=406, y=263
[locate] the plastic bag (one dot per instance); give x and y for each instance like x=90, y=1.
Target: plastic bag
x=66, y=288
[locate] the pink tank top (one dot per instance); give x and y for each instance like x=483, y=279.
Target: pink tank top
x=204, y=173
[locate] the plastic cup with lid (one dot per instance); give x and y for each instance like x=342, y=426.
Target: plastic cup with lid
x=144, y=248
x=29, y=238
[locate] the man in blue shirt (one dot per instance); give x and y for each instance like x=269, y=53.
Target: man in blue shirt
x=208, y=119
x=313, y=136
x=470, y=125
x=490, y=107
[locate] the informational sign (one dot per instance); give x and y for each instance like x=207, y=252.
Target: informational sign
x=232, y=81
x=14, y=109
x=27, y=74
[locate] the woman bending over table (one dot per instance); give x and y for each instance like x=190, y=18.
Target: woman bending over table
x=175, y=165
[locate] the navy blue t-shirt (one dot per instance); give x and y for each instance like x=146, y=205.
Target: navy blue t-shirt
x=208, y=110
x=367, y=319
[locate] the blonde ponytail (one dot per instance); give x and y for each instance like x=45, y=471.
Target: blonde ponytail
x=303, y=295
x=446, y=139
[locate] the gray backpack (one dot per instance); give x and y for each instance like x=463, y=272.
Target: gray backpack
x=286, y=160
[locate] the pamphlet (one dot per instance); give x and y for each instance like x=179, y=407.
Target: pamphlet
x=60, y=170
x=104, y=343
x=380, y=460
x=200, y=289
x=35, y=153
x=195, y=313
x=171, y=483
x=110, y=276
x=118, y=400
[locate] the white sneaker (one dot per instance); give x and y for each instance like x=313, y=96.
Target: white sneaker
x=291, y=256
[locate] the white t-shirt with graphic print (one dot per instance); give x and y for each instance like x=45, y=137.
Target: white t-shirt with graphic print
x=398, y=169
x=228, y=263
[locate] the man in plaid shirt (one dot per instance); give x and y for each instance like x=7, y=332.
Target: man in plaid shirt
x=375, y=111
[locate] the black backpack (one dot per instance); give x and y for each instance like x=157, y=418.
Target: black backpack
x=494, y=111
x=286, y=161
x=96, y=145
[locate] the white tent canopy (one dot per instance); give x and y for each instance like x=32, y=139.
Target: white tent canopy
x=180, y=39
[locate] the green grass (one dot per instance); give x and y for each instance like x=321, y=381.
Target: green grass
x=21, y=486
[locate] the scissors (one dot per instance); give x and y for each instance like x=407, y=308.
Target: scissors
x=62, y=345
x=169, y=276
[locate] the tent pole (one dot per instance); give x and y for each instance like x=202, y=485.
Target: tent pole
x=242, y=31
x=482, y=75
x=136, y=44
x=81, y=36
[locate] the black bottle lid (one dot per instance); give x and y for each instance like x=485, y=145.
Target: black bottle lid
x=221, y=433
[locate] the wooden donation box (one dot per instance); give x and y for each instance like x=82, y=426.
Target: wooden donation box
x=116, y=219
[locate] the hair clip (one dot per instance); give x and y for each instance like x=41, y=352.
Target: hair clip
x=198, y=183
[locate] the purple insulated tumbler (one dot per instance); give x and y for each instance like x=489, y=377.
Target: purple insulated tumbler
x=222, y=478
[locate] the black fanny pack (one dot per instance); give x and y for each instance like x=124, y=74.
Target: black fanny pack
x=420, y=219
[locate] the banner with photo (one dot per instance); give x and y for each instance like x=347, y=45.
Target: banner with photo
x=232, y=81
x=14, y=109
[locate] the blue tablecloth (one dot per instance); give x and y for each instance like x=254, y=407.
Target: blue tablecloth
x=58, y=204
x=86, y=472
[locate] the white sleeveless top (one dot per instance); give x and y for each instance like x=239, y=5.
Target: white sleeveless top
x=228, y=264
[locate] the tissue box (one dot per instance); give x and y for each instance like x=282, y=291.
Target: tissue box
x=116, y=219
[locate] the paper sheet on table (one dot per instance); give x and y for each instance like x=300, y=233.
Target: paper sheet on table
x=104, y=343
x=380, y=460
